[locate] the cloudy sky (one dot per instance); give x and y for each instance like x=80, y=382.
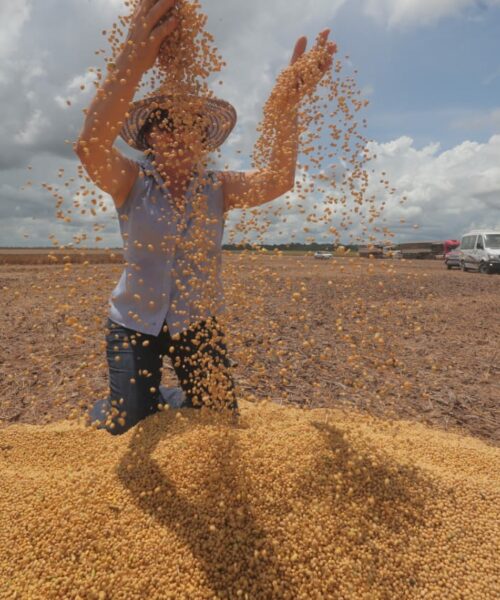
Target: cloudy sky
x=430, y=68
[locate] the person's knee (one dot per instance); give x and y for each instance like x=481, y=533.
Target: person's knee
x=117, y=416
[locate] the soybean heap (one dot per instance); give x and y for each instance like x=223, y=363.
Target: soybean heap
x=294, y=504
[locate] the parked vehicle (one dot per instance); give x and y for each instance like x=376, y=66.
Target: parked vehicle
x=480, y=251
x=321, y=254
x=450, y=245
x=423, y=250
x=452, y=258
x=391, y=252
x=371, y=251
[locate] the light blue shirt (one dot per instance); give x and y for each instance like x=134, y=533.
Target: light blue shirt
x=173, y=256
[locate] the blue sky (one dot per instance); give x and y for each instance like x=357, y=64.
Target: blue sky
x=428, y=80
x=430, y=68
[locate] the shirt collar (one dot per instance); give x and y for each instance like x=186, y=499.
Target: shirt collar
x=150, y=168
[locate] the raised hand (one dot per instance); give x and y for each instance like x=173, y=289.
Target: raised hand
x=310, y=67
x=151, y=24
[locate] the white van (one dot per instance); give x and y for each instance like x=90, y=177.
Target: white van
x=480, y=251
x=322, y=255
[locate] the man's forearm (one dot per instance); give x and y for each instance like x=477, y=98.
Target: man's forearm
x=284, y=153
x=107, y=111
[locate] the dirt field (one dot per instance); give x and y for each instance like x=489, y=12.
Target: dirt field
x=398, y=339
x=51, y=256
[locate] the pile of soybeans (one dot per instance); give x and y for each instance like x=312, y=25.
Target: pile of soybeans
x=286, y=504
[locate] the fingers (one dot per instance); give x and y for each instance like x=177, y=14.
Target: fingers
x=322, y=37
x=300, y=48
x=159, y=11
x=145, y=6
x=165, y=29
x=141, y=12
x=326, y=65
x=323, y=42
x=332, y=48
x=323, y=52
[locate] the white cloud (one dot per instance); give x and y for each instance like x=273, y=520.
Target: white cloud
x=32, y=71
x=80, y=85
x=62, y=102
x=82, y=82
x=13, y=16
x=32, y=129
x=448, y=192
x=419, y=12
x=477, y=120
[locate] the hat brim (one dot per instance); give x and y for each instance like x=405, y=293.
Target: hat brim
x=220, y=117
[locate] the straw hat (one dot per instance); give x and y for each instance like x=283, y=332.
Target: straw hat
x=220, y=116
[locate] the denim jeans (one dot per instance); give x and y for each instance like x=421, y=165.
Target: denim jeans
x=199, y=358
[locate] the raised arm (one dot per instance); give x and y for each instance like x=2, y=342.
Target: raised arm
x=106, y=166
x=253, y=188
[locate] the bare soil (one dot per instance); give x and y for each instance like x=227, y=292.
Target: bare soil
x=398, y=339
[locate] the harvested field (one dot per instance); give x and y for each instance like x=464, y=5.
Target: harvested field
x=422, y=341
x=49, y=256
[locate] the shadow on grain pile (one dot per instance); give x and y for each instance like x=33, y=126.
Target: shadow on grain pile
x=290, y=504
